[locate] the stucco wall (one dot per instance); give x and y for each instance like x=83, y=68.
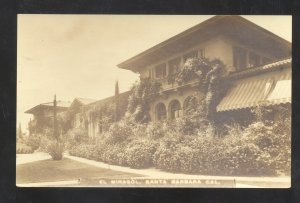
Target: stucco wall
x=218, y=47
x=167, y=98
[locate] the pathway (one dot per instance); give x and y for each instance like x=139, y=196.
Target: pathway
x=158, y=174
x=248, y=182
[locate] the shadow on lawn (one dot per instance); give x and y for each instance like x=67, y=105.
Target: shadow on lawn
x=63, y=170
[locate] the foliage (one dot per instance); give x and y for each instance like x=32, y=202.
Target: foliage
x=260, y=149
x=138, y=102
x=75, y=136
x=34, y=141
x=194, y=119
x=193, y=68
x=209, y=73
x=23, y=148
x=83, y=150
x=118, y=132
x=139, y=153
x=54, y=148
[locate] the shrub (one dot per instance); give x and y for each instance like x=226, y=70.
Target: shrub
x=139, y=153
x=23, y=149
x=118, y=132
x=84, y=151
x=155, y=130
x=262, y=148
x=114, y=154
x=74, y=137
x=34, y=141
x=55, y=150
x=165, y=156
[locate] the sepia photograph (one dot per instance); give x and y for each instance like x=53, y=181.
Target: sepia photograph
x=152, y=101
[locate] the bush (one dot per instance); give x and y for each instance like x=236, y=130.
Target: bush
x=262, y=148
x=55, y=150
x=23, y=149
x=155, y=130
x=84, y=151
x=114, y=154
x=34, y=141
x=75, y=137
x=139, y=153
x=165, y=157
x=118, y=132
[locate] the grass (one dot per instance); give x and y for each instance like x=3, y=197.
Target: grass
x=63, y=170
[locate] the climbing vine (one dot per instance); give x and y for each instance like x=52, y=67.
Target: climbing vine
x=140, y=98
x=209, y=73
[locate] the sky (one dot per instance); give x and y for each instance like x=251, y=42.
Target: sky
x=76, y=55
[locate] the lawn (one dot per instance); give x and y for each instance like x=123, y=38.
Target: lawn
x=64, y=170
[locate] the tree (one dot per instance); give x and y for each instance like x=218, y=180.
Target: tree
x=117, y=105
x=139, y=99
x=19, y=133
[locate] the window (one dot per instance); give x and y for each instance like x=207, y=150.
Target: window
x=174, y=66
x=192, y=54
x=239, y=58
x=161, y=71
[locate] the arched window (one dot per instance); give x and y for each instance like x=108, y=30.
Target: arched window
x=174, y=109
x=160, y=111
x=189, y=104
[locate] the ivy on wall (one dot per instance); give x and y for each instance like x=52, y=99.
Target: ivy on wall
x=209, y=73
x=140, y=98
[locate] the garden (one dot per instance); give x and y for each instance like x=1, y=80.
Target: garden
x=199, y=142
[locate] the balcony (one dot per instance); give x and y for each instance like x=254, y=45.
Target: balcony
x=169, y=83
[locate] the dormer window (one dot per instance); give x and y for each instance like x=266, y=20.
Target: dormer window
x=161, y=71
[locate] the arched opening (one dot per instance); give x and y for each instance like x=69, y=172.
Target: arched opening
x=161, y=112
x=174, y=109
x=190, y=104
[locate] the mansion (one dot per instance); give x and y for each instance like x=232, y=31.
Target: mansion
x=258, y=65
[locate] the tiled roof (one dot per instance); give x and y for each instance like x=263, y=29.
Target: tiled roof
x=61, y=105
x=235, y=27
x=123, y=102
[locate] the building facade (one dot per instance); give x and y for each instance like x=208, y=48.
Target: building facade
x=237, y=42
x=43, y=116
x=258, y=66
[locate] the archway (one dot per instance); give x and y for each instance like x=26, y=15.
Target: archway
x=174, y=109
x=160, y=112
x=190, y=104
